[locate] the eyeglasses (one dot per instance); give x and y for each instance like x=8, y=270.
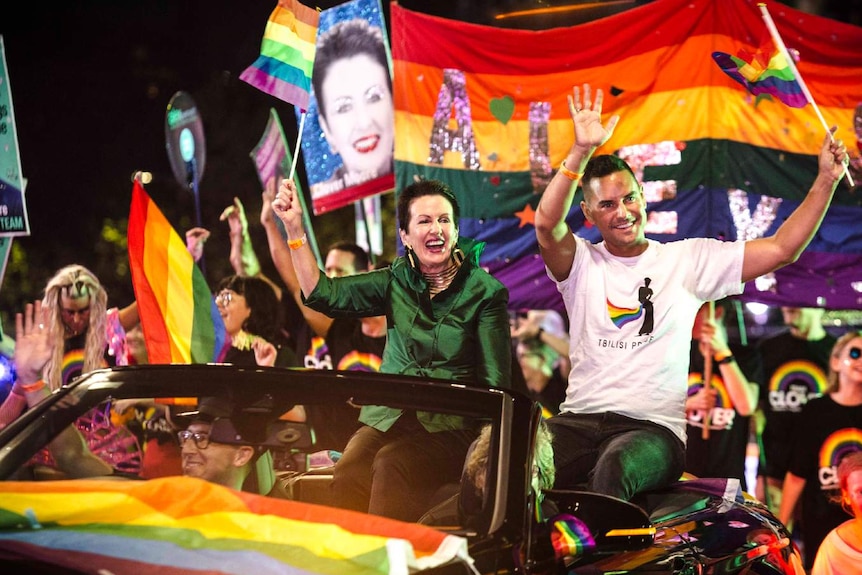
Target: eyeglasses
x=223, y=298
x=855, y=353
x=202, y=440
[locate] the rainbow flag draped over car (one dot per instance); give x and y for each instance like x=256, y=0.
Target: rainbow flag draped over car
x=284, y=66
x=181, y=525
x=485, y=111
x=179, y=318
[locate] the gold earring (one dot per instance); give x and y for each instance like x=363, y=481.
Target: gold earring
x=411, y=259
x=458, y=256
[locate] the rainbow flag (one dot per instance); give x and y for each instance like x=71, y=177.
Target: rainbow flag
x=768, y=76
x=486, y=111
x=179, y=524
x=284, y=66
x=179, y=318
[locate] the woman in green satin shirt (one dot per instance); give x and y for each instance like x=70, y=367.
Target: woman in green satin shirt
x=446, y=318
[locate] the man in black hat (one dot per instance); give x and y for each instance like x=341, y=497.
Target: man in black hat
x=219, y=444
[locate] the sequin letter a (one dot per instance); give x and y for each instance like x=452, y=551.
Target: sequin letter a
x=459, y=139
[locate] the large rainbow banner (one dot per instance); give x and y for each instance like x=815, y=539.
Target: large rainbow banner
x=711, y=120
x=181, y=524
x=179, y=318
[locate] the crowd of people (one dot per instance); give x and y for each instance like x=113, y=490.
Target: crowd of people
x=638, y=380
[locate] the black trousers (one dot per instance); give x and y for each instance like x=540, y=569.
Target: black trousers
x=396, y=473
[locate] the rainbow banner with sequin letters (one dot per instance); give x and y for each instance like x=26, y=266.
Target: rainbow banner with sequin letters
x=182, y=524
x=179, y=318
x=702, y=123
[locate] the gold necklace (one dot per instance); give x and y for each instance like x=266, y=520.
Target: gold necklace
x=439, y=281
x=243, y=340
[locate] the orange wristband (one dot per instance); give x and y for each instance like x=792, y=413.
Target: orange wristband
x=574, y=176
x=31, y=387
x=296, y=244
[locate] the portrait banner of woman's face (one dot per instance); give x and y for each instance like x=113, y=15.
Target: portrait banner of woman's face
x=349, y=131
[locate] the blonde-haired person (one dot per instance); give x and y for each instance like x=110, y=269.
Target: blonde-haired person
x=826, y=421
x=74, y=311
x=841, y=550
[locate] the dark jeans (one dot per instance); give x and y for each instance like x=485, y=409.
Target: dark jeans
x=396, y=473
x=613, y=454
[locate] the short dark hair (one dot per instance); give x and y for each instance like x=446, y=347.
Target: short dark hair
x=605, y=165
x=360, y=256
x=264, y=320
x=424, y=188
x=346, y=39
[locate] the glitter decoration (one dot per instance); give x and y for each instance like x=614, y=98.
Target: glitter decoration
x=453, y=92
x=540, y=161
x=117, y=338
x=667, y=153
x=662, y=223
x=748, y=226
x=766, y=282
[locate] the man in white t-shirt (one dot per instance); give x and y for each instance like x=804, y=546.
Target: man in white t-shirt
x=631, y=303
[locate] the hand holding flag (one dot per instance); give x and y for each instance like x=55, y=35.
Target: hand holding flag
x=773, y=31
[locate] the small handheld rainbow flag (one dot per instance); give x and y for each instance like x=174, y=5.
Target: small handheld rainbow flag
x=284, y=66
x=763, y=74
x=178, y=314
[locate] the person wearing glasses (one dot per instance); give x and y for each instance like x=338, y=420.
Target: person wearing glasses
x=218, y=446
x=829, y=427
x=250, y=311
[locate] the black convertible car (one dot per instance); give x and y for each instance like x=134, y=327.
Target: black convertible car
x=143, y=519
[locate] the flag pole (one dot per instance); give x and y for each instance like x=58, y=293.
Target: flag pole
x=306, y=217
x=776, y=37
x=296, y=150
x=707, y=371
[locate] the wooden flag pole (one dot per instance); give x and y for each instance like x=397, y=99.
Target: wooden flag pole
x=776, y=37
x=707, y=371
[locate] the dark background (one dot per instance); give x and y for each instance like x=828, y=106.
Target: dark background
x=90, y=83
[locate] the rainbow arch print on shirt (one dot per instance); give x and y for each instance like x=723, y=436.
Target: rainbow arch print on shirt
x=623, y=315
x=73, y=365
x=839, y=444
x=319, y=349
x=359, y=361
x=799, y=371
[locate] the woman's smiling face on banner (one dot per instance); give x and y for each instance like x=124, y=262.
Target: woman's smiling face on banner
x=359, y=122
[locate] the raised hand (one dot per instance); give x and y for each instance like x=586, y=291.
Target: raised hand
x=33, y=343
x=833, y=157
x=288, y=209
x=267, y=196
x=235, y=216
x=264, y=352
x=195, y=240
x=586, y=115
